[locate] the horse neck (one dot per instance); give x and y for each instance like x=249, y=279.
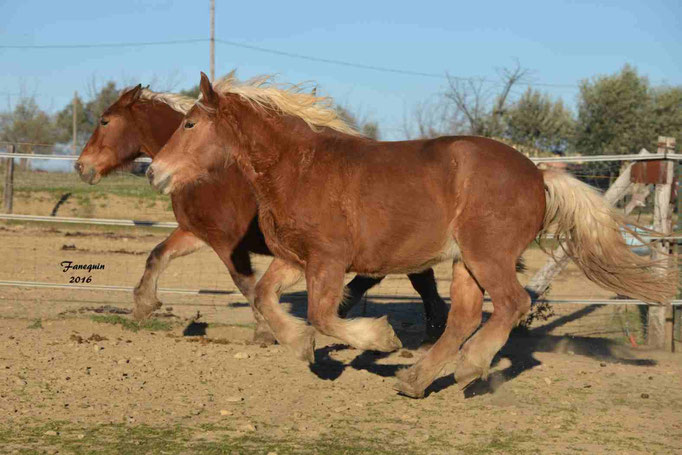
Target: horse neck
x=269, y=151
x=156, y=122
x=267, y=144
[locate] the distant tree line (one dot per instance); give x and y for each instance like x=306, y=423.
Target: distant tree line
x=26, y=124
x=615, y=114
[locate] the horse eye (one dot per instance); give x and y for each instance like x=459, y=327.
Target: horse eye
x=103, y=122
x=189, y=125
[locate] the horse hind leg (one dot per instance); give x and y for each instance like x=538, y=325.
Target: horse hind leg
x=179, y=243
x=325, y=290
x=510, y=303
x=463, y=319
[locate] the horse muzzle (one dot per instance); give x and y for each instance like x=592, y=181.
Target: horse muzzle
x=161, y=183
x=87, y=173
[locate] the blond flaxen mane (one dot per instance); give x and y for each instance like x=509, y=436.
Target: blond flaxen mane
x=287, y=99
x=175, y=101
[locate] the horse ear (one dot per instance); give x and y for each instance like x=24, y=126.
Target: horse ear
x=209, y=96
x=130, y=96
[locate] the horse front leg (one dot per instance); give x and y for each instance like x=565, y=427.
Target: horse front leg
x=290, y=331
x=325, y=289
x=238, y=263
x=179, y=243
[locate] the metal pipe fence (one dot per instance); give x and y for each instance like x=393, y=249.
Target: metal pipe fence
x=537, y=160
x=171, y=225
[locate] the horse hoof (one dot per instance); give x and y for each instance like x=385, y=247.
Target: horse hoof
x=390, y=345
x=304, y=347
x=407, y=383
x=142, y=312
x=467, y=372
x=407, y=390
x=264, y=336
x=387, y=340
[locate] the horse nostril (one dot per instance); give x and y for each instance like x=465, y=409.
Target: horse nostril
x=150, y=174
x=78, y=167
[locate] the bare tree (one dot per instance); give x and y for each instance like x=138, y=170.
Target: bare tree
x=433, y=118
x=482, y=109
x=166, y=83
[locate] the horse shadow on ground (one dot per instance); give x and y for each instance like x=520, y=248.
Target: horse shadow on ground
x=520, y=349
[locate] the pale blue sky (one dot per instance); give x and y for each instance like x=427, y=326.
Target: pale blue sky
x=561, y=42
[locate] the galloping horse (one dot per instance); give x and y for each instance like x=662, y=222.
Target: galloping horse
x=221, y=212
x=331, y=203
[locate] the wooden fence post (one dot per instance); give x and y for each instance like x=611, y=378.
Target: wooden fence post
x=677, y=310
x=660, y=330
x=9, y=182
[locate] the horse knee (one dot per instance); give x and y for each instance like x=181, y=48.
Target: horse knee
x=156, y=255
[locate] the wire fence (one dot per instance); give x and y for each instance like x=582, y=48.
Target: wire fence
x=120, y=220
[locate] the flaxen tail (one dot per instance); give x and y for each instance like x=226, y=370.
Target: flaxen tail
x=591, y=233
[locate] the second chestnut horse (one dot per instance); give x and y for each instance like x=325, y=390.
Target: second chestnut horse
x=220, y=212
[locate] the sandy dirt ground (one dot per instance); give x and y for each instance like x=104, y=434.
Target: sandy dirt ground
x=93, y=206
x=76, y=376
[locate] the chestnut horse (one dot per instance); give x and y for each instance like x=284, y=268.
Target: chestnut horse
x=220, y=212
x=330, y=203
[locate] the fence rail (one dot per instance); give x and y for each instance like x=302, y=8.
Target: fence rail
x=97, y=221
x=38, y=156
x=662, y=155
x=536, y=159
x=173, y=224
x=94, y=287
x=103, y=287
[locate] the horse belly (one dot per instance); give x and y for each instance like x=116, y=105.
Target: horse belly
x=411, y=255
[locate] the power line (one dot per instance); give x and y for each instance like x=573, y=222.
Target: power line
x=332, y=61
x=100, y=45
x=275, y=52
x=370, y=67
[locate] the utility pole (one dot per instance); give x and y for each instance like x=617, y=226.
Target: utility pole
x=212, y=40
x=75, y=117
